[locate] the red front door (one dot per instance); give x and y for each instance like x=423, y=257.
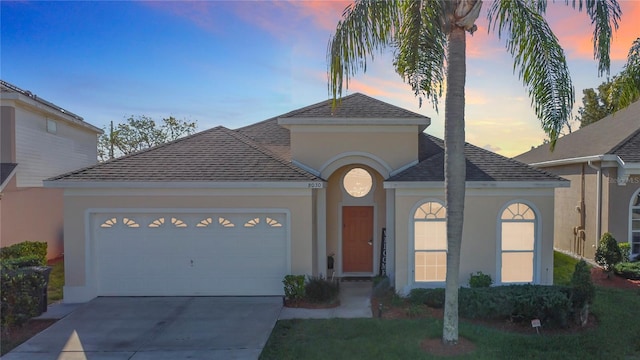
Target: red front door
x=357, y=239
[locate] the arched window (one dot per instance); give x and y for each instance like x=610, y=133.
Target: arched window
x=430, y=242
x=517, y=243
x=634, y=216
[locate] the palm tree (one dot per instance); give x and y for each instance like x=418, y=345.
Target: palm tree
x=629, y=79
x=423, y=35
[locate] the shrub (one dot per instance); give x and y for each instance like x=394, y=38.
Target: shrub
x=26, y=248
x=629, y=270
x=22, y=291
x=21, y=262
x=582, y=289
x=294, y=287
x=319, y=289
x=625, y=251
x=381, y=285
x=550, y=304
x=415, y=310
x=431, y=297
x=608, y=253
x=480, y=280
x=582, y=292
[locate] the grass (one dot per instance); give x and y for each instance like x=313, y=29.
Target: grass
x=563, y=266
x=56, y=282
x=615, y=337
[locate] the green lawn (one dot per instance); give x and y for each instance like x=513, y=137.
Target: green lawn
x=615, y=337
x=56, y=282
x=563, y=266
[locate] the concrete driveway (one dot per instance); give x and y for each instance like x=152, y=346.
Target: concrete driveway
x=140, y=328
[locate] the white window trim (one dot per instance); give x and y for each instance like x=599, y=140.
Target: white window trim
x=631, y=232
x=537, y=231
x=412, y=251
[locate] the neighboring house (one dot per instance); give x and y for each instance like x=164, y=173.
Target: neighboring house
x=231, y=212
x=602, y=160
x=37, y=140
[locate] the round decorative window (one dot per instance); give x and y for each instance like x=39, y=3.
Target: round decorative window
x=358, y=182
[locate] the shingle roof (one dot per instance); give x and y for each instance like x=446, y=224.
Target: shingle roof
x=218, y=154
x=353, y=106
x=261, y=152
x=270, y=135
x=482, y=165
x=616, y=134
x=5, y=171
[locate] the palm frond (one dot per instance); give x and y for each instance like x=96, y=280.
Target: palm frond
x=420, y=53
x=538, y=59
x=604, y=15
x=366, y=27
x=630, y=77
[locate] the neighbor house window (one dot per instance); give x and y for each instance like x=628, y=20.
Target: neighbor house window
x=517, y=243
x=635, y=224
x=430, y=242
x=52, y=126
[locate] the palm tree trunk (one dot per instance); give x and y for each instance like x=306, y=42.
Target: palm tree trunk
x=455, y=176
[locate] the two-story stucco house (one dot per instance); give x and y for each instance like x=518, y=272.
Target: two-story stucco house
x=231, y=212
x=602, y=161
x=37, y=140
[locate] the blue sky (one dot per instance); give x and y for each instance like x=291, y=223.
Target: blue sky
x=233, y=63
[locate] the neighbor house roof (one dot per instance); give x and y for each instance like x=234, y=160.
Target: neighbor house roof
x=6, y=171
x=9, y=91
x=616, y=134
x=261, y=153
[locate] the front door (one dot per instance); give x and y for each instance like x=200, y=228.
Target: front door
x=357, y=239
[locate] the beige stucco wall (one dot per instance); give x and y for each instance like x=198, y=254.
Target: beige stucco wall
x=614, y=212
x=31, y=214
x=315, y=146
x=480, y=242
x=617, y=207
x=568, y=199
x=79, y=202
x=337, y=197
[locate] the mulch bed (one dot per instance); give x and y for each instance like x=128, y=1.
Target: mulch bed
x=18, y=335
x=303, y=304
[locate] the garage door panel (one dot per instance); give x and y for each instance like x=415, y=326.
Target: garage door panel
x=190, y=254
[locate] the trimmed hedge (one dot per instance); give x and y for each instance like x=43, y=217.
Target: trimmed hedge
x=431, y=297
x=23, y=281
x=550, y=304
x=22, y=291
x=629, y=270
x=26, y=248
x=318, y=289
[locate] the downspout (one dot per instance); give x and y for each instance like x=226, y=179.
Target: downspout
x=598, y=199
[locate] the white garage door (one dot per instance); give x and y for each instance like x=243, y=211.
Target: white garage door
x=174, y=254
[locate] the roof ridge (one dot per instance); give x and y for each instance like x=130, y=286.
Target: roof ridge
x=624, y=142
x=313, y=106
x=127, y=156
x=257, y=146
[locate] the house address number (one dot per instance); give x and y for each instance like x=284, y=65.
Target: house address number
x=315, y=185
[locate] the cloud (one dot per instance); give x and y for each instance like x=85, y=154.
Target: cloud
x=575, y=32
x=200, y=13
x=491, y=148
